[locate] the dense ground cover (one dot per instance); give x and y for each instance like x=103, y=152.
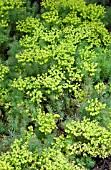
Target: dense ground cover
x=55, y=95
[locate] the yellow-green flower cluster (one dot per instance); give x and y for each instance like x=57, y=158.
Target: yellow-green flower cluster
x=94, y=107
x=100, y=88
x=88, y=137
x=3, y=71
x=47, y=122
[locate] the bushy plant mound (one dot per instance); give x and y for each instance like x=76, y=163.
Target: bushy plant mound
x=55, y=93
x=107, y=4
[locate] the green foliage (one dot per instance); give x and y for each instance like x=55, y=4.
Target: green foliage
x=57, y=79
x=107, y=19
x=11, y=12
x=104, y=56
x=103, y=2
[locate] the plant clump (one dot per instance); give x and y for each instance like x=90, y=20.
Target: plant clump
x=55, y=87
